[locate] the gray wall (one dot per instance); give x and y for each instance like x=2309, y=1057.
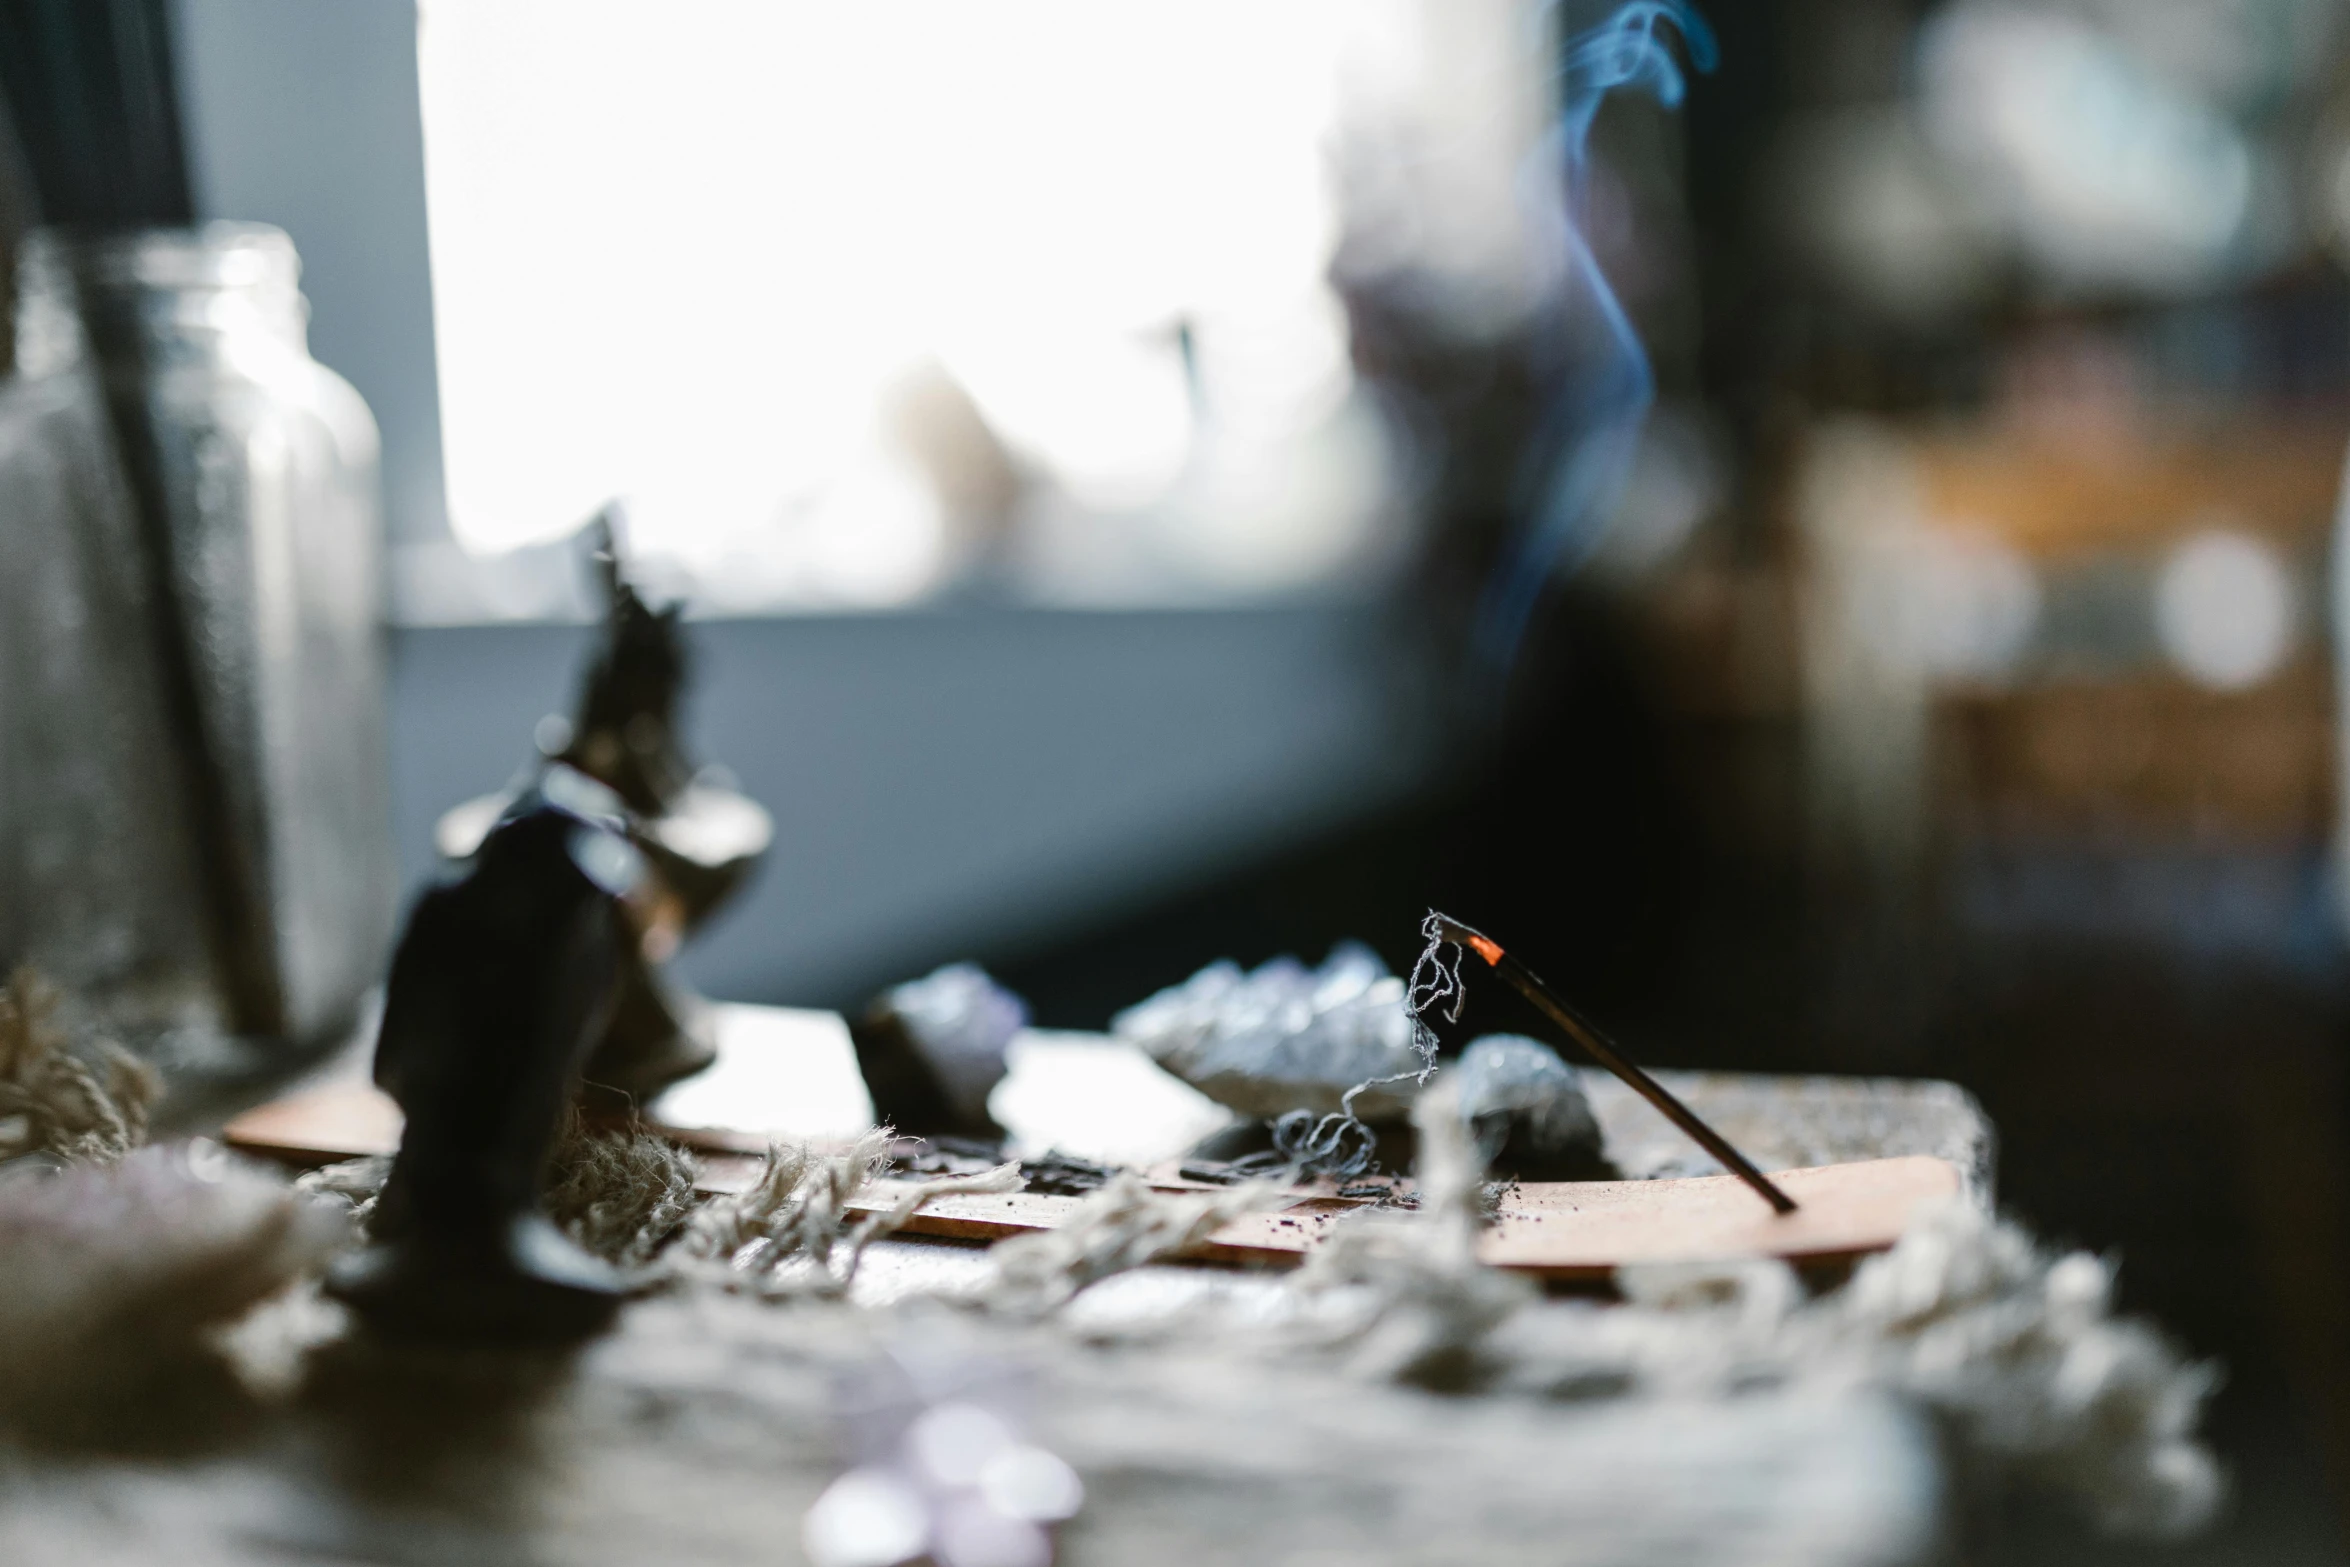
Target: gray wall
x=954, y=783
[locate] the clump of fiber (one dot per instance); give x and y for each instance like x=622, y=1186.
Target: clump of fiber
x=86, y=1107
x=1124, y=1225
x=109, y=1273
x=791, y=1233
x=779, y=1234
x=1405, y=1292
x=620, y=1192
x=2013, y=1348
x=623, y=1194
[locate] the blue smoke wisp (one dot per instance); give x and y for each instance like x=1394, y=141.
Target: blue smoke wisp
x=1598, y=385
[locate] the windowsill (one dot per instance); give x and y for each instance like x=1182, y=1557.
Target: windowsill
x=440, y=584
x=959, y=779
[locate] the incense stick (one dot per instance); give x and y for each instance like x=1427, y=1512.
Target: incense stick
x=1444, y=928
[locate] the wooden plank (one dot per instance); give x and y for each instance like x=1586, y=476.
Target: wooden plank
x=1586, y=1229
x=1568, y=1229
x=1556, y=1229
x=349, y=1120
x=793, y=1075
x=344, y=1120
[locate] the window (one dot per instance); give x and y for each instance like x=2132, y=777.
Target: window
x=858, y=304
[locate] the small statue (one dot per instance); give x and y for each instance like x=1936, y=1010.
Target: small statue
x=700, y=839
x=503, y=982
x=626, y=735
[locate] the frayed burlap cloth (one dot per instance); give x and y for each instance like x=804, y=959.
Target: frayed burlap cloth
x=2011, y=1351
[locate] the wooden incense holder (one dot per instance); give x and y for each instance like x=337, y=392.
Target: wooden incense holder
x=1567, y=1230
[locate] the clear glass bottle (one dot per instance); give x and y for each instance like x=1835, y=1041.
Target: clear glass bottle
x=194, y=826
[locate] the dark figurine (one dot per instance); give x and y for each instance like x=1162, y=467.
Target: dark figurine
x=506, y=977
x=626, y=735
x=700, y=839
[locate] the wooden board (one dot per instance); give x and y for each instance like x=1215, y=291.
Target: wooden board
x=1567, y=1230
x=1587, y=1228
x=1556, y=1229
x=346, y=1120
x=354, y=1119
x=782, y=1073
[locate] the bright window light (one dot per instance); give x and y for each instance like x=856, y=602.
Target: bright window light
x=853, y=300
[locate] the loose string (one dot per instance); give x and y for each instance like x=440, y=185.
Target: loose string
x=1341, y=1145
x=1436, y=979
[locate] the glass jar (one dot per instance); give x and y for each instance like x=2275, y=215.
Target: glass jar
x=194, y=826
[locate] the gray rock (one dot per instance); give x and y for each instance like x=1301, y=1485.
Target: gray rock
x=1286, y=1037
x=1526, y=1109
x=933, y=1049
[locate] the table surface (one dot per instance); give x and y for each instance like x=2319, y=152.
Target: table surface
x=700, y=1429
